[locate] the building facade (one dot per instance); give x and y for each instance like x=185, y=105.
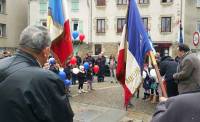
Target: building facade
x=101, y=21
x=163, y=19
x=38, y=11
x=191, y=19
x=13, y=19
x=108, y=18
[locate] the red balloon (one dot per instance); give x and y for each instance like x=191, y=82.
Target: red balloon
x=81, y=37
x=96, y=69
x=73, y=61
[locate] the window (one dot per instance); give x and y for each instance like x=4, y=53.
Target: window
x=120, y=24
x=143, y=1
x=75, y=25
x=2, y=30
x=121, y=2
x=166, y=24
x=43, y=22
x=98, y=48
x=75, y=5
x=1, y=7
x=198, y=26
x=43, y=7
x=101, y=2
x=198, y=3
x=166, y=1
x=100, y=25
x=145, y=22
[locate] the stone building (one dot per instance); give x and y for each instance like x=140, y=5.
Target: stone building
x=13, y=19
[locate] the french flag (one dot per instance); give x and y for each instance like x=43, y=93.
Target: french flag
x=133, y=48
x=59, y=28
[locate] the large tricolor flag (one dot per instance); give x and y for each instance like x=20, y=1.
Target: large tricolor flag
x=59, y=28
x=129, y=70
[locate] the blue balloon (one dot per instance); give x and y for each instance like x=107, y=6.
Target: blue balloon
x=62, y=75
x=75, y=34
x=86, y=65
x=52, y=61
x=67, y=82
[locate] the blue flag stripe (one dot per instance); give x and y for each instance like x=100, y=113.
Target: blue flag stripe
x=56, y=10
x=137, y=36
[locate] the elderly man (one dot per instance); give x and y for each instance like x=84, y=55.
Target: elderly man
x=28, y=92
x=184, y=107
x=188, y=70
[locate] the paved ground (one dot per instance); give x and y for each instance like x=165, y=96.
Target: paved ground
x=105, y=104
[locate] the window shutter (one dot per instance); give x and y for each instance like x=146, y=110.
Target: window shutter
x=75, y=5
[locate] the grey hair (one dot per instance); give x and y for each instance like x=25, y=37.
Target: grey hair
x=35, y=38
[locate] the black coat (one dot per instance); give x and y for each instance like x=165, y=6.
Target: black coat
x=168, y=67
x=29, y=93
x=182, y=108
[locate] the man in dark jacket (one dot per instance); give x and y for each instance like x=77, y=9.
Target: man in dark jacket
x=28, y=92
x=181, y=108
x=168, y=67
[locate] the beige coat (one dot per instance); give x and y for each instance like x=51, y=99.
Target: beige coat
x=188, y=73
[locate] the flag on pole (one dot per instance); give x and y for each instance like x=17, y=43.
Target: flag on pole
x=59, y=28
x=121, y=67
x=129, y=71
x=181, y=33
x=151, y=43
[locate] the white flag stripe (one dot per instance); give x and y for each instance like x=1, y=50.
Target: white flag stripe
x=133, y=75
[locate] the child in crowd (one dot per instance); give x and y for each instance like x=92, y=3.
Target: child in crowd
x=89, y=78
x=54, y=67
x=67, y=82
x=81, y=79
x=146, y=84
x=154, y=86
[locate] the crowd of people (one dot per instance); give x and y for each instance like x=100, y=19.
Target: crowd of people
x=82, y=71
x=30, y=93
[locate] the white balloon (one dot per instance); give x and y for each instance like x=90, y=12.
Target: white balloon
x=75, y=70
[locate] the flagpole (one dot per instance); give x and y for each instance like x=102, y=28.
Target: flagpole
x=164, y=93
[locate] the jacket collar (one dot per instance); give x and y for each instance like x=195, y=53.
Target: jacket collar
x=28, y=57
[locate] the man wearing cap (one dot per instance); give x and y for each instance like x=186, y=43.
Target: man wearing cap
x=28, y=92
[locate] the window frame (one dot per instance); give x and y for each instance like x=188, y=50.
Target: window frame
x=121, y=2
x=120, y=29
x=100, y=2
x=165, y=29
x=3, y=30
x=75, y=21
x=198, y=26
x=102, y=26
x=95, y=49
x=146, y=24
x=43, y=22
x=143, y=2
x=1, y=8
x=167, y=1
